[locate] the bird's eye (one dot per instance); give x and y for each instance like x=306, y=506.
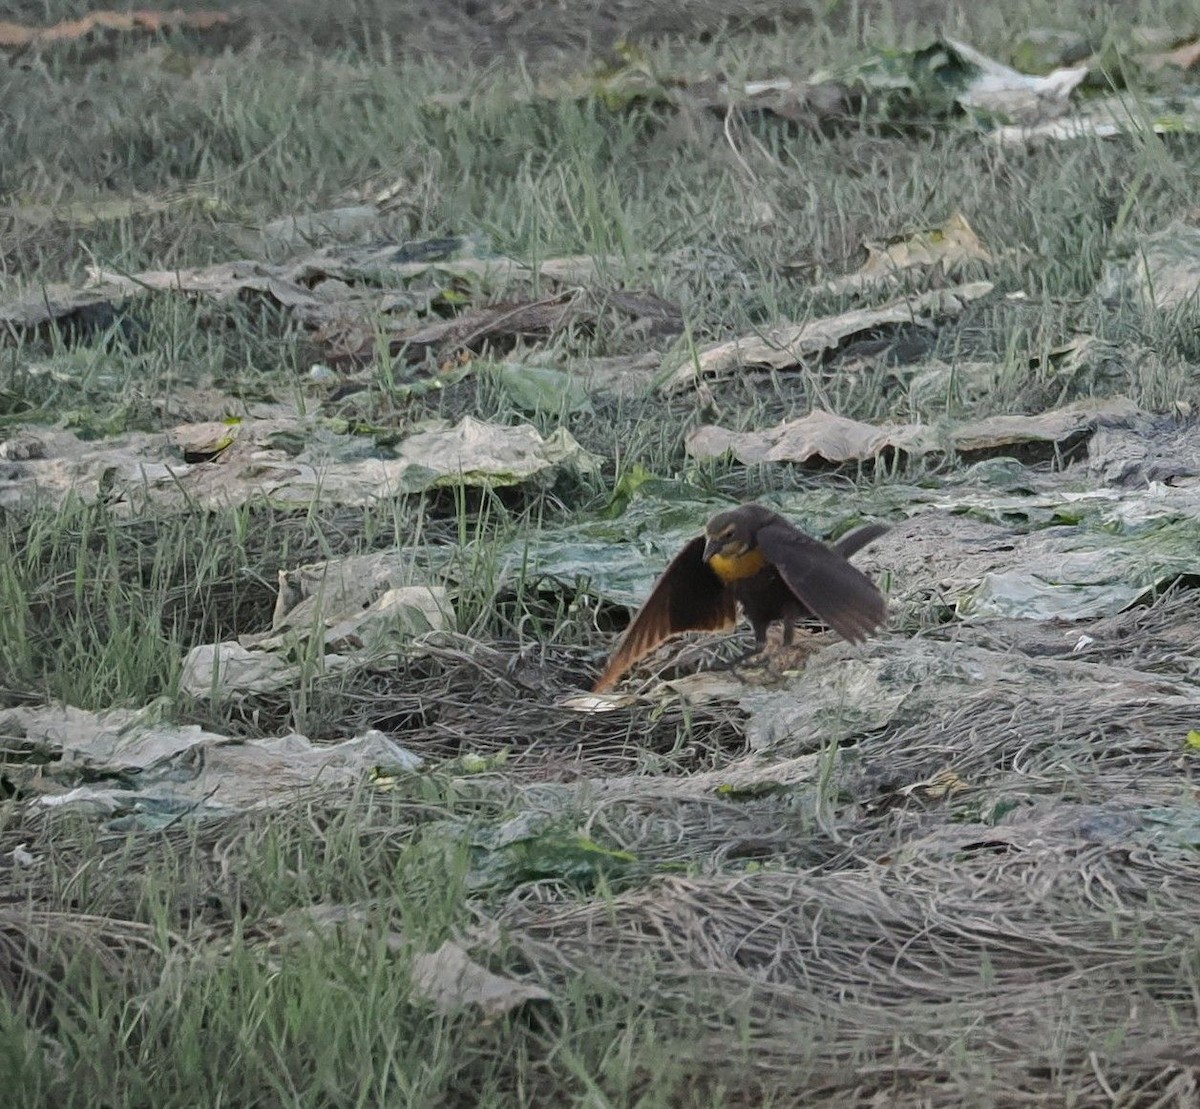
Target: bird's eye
x=727, y=533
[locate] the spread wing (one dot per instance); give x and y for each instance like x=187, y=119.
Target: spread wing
x=688, y=597
x=839, y=594
x=854, y=541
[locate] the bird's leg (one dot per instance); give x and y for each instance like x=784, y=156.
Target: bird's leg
x=751, y=655
x=790, y=655
x=760, y=646
x=733, y=663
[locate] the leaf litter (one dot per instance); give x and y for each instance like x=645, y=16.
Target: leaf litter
x=341, y=292
x=790, y=345
x=447, y=978
x=98, y=33
x=946, y=81
x=951, y=830
x=283, y=462
x=945, y=249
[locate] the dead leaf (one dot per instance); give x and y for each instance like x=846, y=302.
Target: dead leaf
x=99, y=32
x=478, y=453
x=823, y=438
x=195, y=772
x=947, y=248
x=224, y=281
x=1061, y=428
x=807, y=103
x=354, y=603
x=77, y=313
x=596, y=702
x=450, y=980
x=1184, y=56
x=656, y=316
x=204, y=442
x=1108, y=117
x=498, y=324
x=820, y=437
x=621, y=375
x=106, y=209
x=326, y=466
x=1021, y=96
x=928, y=80
x=343, y=294
x=1163, y=272
x=225, y=670
x=295, y=232
x=1083, y=356
x=930, y=387
x=790, y=345
x=945, y=783
x=500, y=327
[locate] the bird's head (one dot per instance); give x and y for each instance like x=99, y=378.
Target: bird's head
x=729, y=534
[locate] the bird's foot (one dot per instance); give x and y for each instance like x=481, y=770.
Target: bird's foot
x=755, y=659
x=791, y=659
x=755, y=669
x=767, y=662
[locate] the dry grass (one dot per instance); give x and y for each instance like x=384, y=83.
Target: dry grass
x=958, y=866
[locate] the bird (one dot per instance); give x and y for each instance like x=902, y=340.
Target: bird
x=752, y=556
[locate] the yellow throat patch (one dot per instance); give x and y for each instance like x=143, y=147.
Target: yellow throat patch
x=739, y=567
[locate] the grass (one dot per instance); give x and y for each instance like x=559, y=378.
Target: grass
x=277, y=1013
x=168, y=967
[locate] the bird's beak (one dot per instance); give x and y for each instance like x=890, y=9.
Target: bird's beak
x=711, y=547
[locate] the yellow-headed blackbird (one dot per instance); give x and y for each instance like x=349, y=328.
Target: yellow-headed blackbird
x=754, y=557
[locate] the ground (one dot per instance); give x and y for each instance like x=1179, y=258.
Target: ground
x=358, y=375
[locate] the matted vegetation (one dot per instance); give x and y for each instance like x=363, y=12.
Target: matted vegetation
x=958, y=865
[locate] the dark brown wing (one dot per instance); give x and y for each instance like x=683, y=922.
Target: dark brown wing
x=840, y=595
x=854, y=541
x=688, y=597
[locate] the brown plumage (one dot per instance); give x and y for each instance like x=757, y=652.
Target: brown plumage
x=754, y=557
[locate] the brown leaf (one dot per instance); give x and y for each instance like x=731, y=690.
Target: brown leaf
x=1182, y=57
x=948, y=248
x=1063, y=430
x=819, y=437
x=790, y=345
x=823, y=438
x=652, y=315
x=345, y=295
x=100, y=30
x=496, y=325
x=450, y=980
x=77, y=312
x=809, y=104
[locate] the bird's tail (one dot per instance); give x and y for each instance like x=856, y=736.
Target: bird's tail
x=858, y=538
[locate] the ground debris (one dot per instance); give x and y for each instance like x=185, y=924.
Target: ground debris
x=317, y=519
x=448, y=979
x=330, y=614
x=137, y=771
x=98, y=34
x=293, y=462
x=786, y=346
x=824, y=439
x=342, y=294
x=1162, y=271
x=945, y=249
